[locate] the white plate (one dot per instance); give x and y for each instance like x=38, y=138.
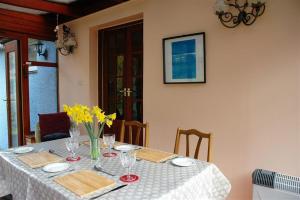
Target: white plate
x=21, y=150
x=125, y=147
x=183, y=162
x=56, y=167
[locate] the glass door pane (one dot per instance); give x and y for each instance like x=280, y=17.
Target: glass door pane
x=115, y=54
x=42, y=92
x=13, y=106
x=3, y=101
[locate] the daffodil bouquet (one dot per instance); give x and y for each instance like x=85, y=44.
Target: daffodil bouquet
x=94, y=120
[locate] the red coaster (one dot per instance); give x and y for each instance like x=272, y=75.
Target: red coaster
x=70, y=159
x=110, y=154
x=132, y=178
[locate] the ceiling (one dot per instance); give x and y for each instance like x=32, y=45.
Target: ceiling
x=39, y=16
x=20, y=9
x=63, y=7
x=63, y=1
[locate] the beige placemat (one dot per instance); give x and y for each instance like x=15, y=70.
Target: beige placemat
x=102, y=144
x=35, y=160
x=84, y=182
x=154, y=155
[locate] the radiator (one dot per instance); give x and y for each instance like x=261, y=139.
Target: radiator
x=268, y=185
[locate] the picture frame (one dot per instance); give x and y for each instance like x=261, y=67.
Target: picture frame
x=184, y=59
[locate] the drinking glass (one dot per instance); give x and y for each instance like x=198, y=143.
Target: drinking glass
x=128, y=159
x=109, y=140
x=74, y=132
x=72, y=144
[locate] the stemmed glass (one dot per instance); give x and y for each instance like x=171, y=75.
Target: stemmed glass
x=109, y=140
x=128, y=159
x=74, y=132
x=72, y=144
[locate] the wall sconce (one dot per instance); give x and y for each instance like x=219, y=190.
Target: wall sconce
x=66, y=41
x=245, y=12
x=39, y=49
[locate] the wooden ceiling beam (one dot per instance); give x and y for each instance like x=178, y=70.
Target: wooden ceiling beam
x=43, y=6
x=26, y=30
x=24, y=26
x=15, y=20
x=27, y=17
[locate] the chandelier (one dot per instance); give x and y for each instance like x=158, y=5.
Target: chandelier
x=232, y=12
x=65, y=40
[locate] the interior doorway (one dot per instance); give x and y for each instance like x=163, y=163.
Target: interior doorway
x=28, y=86
x=121, y=70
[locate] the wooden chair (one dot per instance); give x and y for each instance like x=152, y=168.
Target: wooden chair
x=136, y=128
x=197, y=133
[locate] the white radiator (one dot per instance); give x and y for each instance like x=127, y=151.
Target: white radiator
x=268, y=185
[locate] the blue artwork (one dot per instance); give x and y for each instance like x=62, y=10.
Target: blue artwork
x=184, y=59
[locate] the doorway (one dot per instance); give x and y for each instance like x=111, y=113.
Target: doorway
x=121, y=70
x=10, y=106
x=28, y=87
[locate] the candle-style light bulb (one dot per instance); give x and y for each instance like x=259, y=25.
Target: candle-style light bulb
x=250, y=2
x=221, y=6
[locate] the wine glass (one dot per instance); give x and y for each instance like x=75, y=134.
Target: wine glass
x=72, y=144
x=74, y=132
x=128, y=159
x=109, y=140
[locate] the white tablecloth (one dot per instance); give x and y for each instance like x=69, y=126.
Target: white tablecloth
x=157, y=180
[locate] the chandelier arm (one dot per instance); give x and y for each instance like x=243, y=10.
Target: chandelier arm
x=235, y=22
x=247, y=20
x=258, y=9
x=226, y=17
x=261, y=9
x=255, y=10
x=64, y=53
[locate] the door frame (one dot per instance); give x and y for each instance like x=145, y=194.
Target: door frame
x=12, y=46
x=24, y=79
x=101, y=77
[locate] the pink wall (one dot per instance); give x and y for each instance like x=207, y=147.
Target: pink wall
x=250, y=101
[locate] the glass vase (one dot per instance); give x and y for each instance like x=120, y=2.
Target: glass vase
x=94, y=148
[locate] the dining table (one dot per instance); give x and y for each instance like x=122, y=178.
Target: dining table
x=159, y=181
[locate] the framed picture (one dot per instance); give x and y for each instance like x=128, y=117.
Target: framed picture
x=184, y=59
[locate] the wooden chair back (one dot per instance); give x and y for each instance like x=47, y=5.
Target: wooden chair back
x=136, y=129
x=200, y=136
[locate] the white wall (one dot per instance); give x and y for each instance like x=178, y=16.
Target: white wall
x=250, y=101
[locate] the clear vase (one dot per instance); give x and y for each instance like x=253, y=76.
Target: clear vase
x=94, y=148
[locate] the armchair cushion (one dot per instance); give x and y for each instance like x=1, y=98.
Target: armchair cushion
x=54, y=136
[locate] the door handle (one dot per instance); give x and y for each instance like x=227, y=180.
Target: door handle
x=123, y=91
x=129, y=91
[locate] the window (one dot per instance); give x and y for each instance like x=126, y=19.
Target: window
x=42, y=77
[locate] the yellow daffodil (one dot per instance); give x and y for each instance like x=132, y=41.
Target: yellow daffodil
x=81, y=114
x=99, y=114
x=108, y=122
x=112, y=116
